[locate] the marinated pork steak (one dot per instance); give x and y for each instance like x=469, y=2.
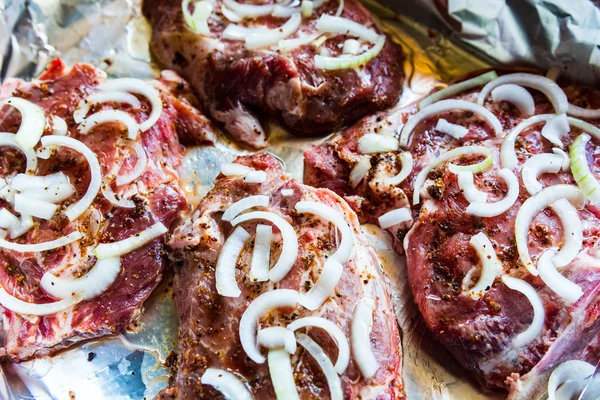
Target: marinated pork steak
x=315, y=71
x=503, y=257
x=325, y=285
x=109, y=178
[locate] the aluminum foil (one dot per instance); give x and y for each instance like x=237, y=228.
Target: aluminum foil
x=442, y=39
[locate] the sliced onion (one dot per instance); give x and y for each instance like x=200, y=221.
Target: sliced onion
x=345, y=26
x=455, y=89
x=287, y=192
x=307, y=8
x=263, y=304
x=113, y=198
x=244, y=204
x=7, y=219
x=270, y=37
x=280, y=11
x=394, y=217
x=44, y=246
x=261, y=254
x=198, y=21
x=555, y=128
x=53, y=194
x=493, y=209
x=277, y=337
x=255, y=177
x=539, y=314
x=21, y=307
x=329, y=63
x=334, y=331
x=140, y=165
x=450, y=155
x=560, y=285
x=542, y=164
x=233, y=169
x=362, y=350
x=466, y=183
x=374, y=143
x=287, y=45
x=8, y=194
x=230, y=15
x=225, y=270
x=351, y=46
x=581, y=170
x=359, y=171
x=228, y=384
x=249, y=10
x=443, y=106
x=106, y=116
x=516, y=95
x=8, y=139
x=333, y=380
x=333, y=268
x=491, y=267
x=33, y=122
x=340, y=8
x=555, y=94
x=572, y=232
x=116, y=96
x=407, y=166
x=581, y=112
x=289, y=251
x=572, y=370
x=585, y=126
x=37, y=208
x=122, y=247
x=23, y=182
x=59, y=125
x=508, y=157
x=282, y=375
x=534, y=205
x=75, y=210
x=142, y=88
x=238, y=32
x=25, y=224
x=92, y=284
x=454, y=130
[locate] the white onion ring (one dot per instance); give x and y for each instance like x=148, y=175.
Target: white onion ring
x=110, y=195
x=228, y=384
x=581, y=112
x=455, y=89
x=333, y=380
x=542, y=164
x=225, y=269
x=572, y=232
x=276, y=337
x=454, y=130
x=330, y=24
x=326, y=62
x=140, y=165
x=501, y=206
x=359, y=171
x=362, y=322
x=572, y=370
x=491, y=267
x=374, y=143
x=122, y=247
x=110, y=116
x=466, y=183
x=249, y=10
x=116, y=96
x=44, y=246
x=555, y=128
x=261, y=254
x=8, y=139
x=244, y=204
x=539, y=314
x=271, y=37
x=560, y=285
x=516, y=95
x=34, y=207
x=59, y=126
x=21, y=307
x=33, y=122
x=282, y=375
x=394, y=217
x=407, y=166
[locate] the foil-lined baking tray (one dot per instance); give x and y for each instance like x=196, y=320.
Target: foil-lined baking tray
x=442, y=39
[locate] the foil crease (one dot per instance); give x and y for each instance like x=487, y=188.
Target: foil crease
x=443, y=39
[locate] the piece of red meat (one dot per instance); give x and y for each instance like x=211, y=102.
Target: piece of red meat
x=235, y=83
x=159, y=199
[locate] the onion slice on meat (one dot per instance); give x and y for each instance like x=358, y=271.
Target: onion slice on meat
x=516, y=95
x=239, y=32
x=542, y=164
x=289, y=251
x=345, y=26
x=581, y=112
x=36, y=208
x=443, y=106
x=24, y=308
x=244, y=204
x=560, y=285
x=282, y=375
x=351, y=46
x=493, y=209
x=116, y=96
x=276, y=337
x=332, y=270
x=334, y=331
x=535, y=204
x=225, y=269
x=255, y=177
x=572, y=232
x=263, y=304
x=249, y=10
x=572, y=370
x=394, y=217
x=455, y=89
x=230, y=386
x=7, y=219
x=261, y=254
x=581, y=170
x=33, y=122
x=198, y=20
x=450, y=155
x=122, y=247
x=374, y=143
x=466, y=183
x=113, y=198
x=25, y=224
x=280, y=11
x=90, y=285
x=362, y=322
x=110, y=116
x=491, y=267
x=454, y=130
x=140, y=165
x=287, y=45
x=307, y=7
x=359, y=171
x=59, y=126
x=407, y=166
x=344, y=62
x=75, y=210
x=43, y=246
x=8, y=139
x=270, y=37
x=555, y=94
x=539, y=314
x=53, y=193
x=555, y=128
x=24, y=182
x=230, y=15
x=333, y=380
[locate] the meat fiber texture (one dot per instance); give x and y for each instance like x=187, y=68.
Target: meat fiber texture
x=478, y=333
x=156, y=193
x=209, y=322
x=235, y=83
